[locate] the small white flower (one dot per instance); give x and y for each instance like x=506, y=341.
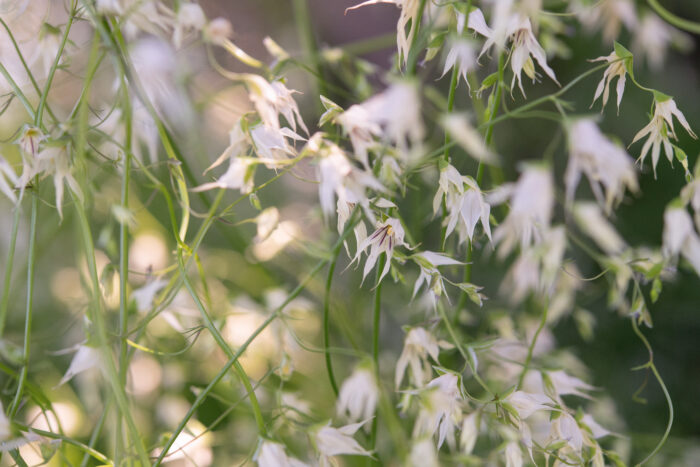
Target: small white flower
x=563, y=384
x=617, y=69
x=54, y=160
x=464, y=202
x=464, y=134
x=239, y=142
x=358, y=395
x=267, y=221
x=525, y=45
x=271, y=454
x=679, y=236
x=461, y=54
x=513, y=455
x=531, y=204
x=469, y=434
x=660, y=130
x=611, y=14
x=239, y=176
x=190, y=18
x=654, y=36
x=597, y=431
x=397, y=111
x=565, y=428
x=418, y=345
x=272, y=144
x=271, y=100
x=526, y=404
x=410, y=10
x=590, y=219
x=218, y=31
x=144, y=295
x=332, y=442
x=385, y=238
x=84, y=359
x=428, y=261
x=423, y=454
x=439, y=411
x=606, y=164
x=361, y=130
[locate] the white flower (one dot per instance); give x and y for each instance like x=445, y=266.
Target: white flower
x=461, y=54
x=565, y=428
x=271, y=454
x=525, y=45
x=397, y=111
x=340, y=178
x=660, y=129
x=418, y=345
x=562, y=384
x=679, y=236
x=84, y=359
x=464, y=202
x=239, y=142
x=616, y=68
x=361, y=130
x=385, y=238
x=470, y=431
x=531, y=203
x=54, y=160
x=338, y=441
x=513, y=455
x=597, y=431
x=271, y=100
x=272, y=145
x=190, y=18
x=526, y=404
x=428, y=261
x=409, y=13
x=267, y=221
x=423, y=454
x=590, y=219
x=144, y=295
x=606, y=164
x=464, y=134
x=239, y=176
x=440, y=411
x=653, y=37
x=358, y=395
x=218, y=31
x=611, y=14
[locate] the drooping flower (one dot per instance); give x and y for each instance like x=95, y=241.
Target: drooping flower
x=358, y=395
x=419, y=344
x=654, y=36
x=469, y=433
x=361, y=130
x=423, y=454
x=439, y=409
x=590, y=219
x=190, y=18
x=332, y=442
x=617, y=68
x=8, y=180
x=462, y=56
x=679, y=236
x=272, y=99
x=271, y=454
x=607, y=165
x=513, y=455
x=272, y=145
x=526, y=404
x=660, y=129
x=239, y=143
x=428, y=261
x=410, y=9
x=385, y=238
x=531, y=204
x=464, y=134
x=54, y=160
x=525, y=46
x=464, y=201
x=610, y=14
x=239, y=176
x=84, y=359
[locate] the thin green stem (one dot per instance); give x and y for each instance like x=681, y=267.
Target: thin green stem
x=221, y=342
x=31, y=263
x=412, y=62
x=96, y=314
x=326, y=318
x=682, y=23
x=234, y=358
x=531, y=348
x=650, y=364
x=376, y=318
x=305, y=31
x=7, y=281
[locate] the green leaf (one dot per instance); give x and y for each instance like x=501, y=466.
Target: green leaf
x=626, y=56
x=656, y=287
x=661, y=97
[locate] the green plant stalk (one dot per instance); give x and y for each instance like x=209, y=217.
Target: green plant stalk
x=96, y=316
x=531, y=348
x=31, y=264
x=221, y=342
x=376, y=315
x=305, y=31
x=234, y=358
x=326, y=319
x=18, y=92
x=96, y=433
x=682, y=23
x=65, y=439
x=7, y=281
x=412, y=62
x=650, y=364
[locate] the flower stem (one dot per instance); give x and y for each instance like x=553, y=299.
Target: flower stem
x=531, y=348
x=682, y=23
x=8, y=271
x=326, y=318
x=376, y=315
